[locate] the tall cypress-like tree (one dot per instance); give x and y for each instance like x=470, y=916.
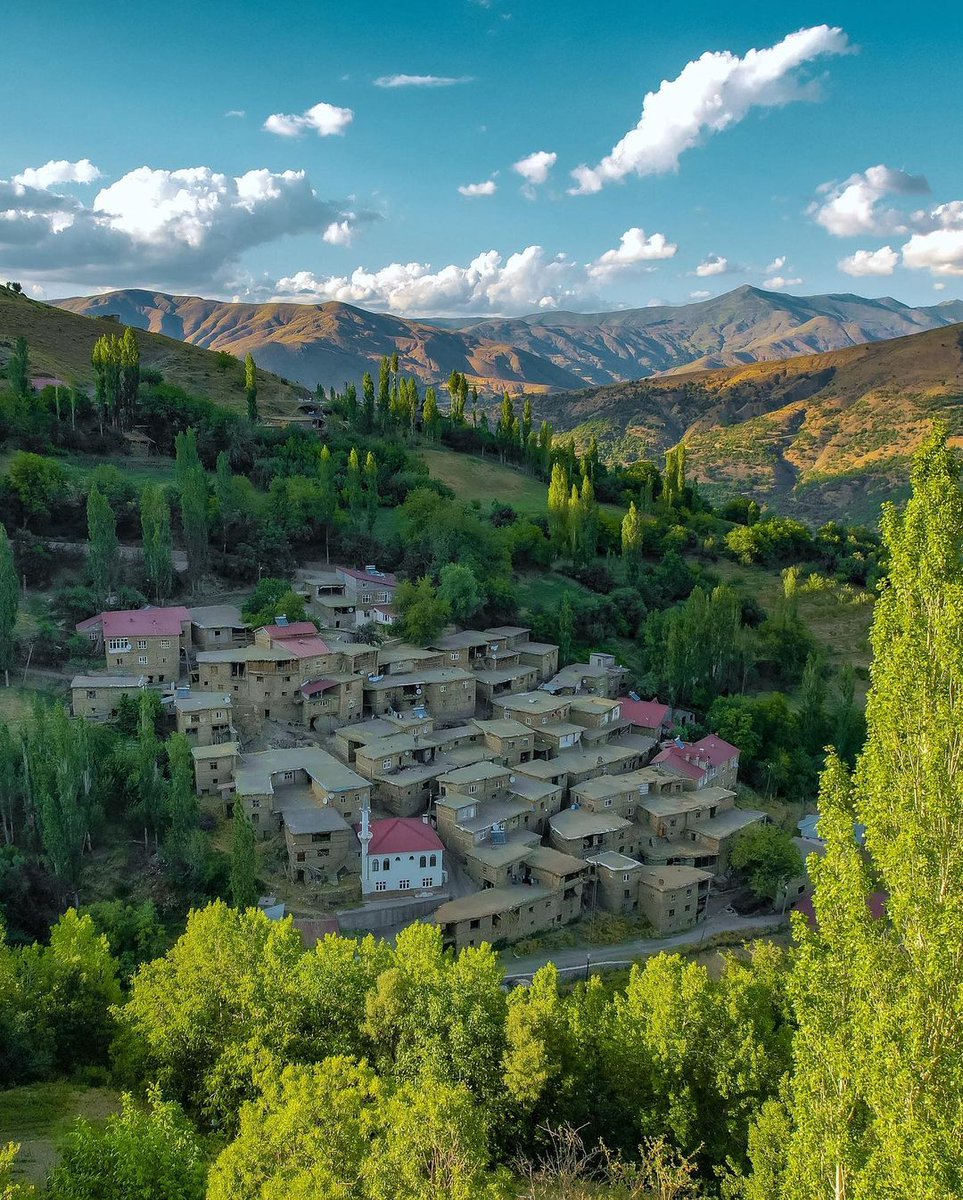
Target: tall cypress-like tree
x=250, y=389
x=633, y=535
x=155, y=523
x=103, y=556
x=225, y=493
x=876, y=1099
x=384, y=394
x=429, y=414
x=243, y=859
x=353, y=494
x=367, y=403
x=129, y=356
x=558, y=505
x=9, y=602
x=327, y=497
x=18, y=369
x=370, y=490
x=195, y=521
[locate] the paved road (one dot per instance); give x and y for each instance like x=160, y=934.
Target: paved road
x=624, y=954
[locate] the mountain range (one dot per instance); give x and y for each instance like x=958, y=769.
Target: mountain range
x=332, y=343
x=821, y=436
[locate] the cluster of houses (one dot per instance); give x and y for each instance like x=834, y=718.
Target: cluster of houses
x=472, y=760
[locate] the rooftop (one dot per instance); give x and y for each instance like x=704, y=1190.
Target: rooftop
x=400, y=835
x=516, y=848
x=537, y=648
x=726, y=823
x=490, y=901
x=382, y=577
x=506, y=631
x=715, y=750
x=107, y=681
x=649, y=714
x=582, y=822
x=417, y=678
x=466, y=640
x=504, y=727
x=247, y=654
x=212, y=616
x=532, y=702
x=561, y=729
x=544, y=858
x=476, y=773
x=613, y=861
x=593, y=704
x=314, y=819
x=492, y=812
x=145, y=622
x=224, y=750
x=684, y=802
x=289, y=629
x=664, y=878
x=201, y=701
x=254, y=774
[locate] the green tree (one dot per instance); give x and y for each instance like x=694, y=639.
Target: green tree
x=244, y=885
x=135, y=1155
x=18, y=370
x=39, y=484
x=103, y=555
x=250, y=389
x=633, y=539
x=225, y=493
x=367, y=403
x=353, y=490
x=273, y=598
x=181, y=804
x=194, y=518
x=155, y=521
x=9, y=603
x=422, y=610
x=458, y=589
x=370, y=490
x=327, y=498
x=10, y=1188
x=558, y=506
x=429, y=414
x=879, y=1048
x=566, y=630
x=384, y=394
x=129, y=360
x=147, y=790
x=768, y=857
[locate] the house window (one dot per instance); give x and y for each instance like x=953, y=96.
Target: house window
x=443, y=687
x=255, y=803
x=385, y=764
x=142, y=659
x=432, y=859
x=427, y=882
x=218, y=716
x=381, y=886
x=374, y=864
x=166, y=643
x=687, y=907
x=474, y=924
x=117, y=645
x=453, y=656
x=386, y=865
x=423, y=861
x=404, y=884
x=625, y=877
x=671, y=912
x=142, y=644
x=91, y=695
x=299, y=857
x=608, y=802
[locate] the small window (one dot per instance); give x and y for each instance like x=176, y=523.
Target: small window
x=142, y=659
x=142, y=644
x=299, y=857
x=474, y=924
x=443, y=687
x=385, y=764
x=166, y=643
x=625, y=877
x=608, y=802
x=687, y=907
x=256, y=803
x=432, y=860
x=374, y=865
x=454, y=656
x=381, y=886
x=404, y=885
x=427, y=882
x=386, y=865
x=423, y=861
x=671, y=912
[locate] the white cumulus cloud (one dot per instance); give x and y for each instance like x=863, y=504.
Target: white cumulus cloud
x=711, y=93
x=488, y=188
x=340, y=233
x=325, y=119
x=778, y=282
x=938, y=249
x=634, y=249
x=851, y=208
x=529, y=279
x=421, y=81
x=870, y=262
x=159, y=228
x=714, y=264
x=58, y=171
x=700, y=295
x=534, y=169
x=777, y=264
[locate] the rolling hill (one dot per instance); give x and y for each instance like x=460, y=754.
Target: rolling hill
x=546, y=352
x=60, y=344
x=820, y=435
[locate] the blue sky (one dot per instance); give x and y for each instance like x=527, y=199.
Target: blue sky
x=822, y=153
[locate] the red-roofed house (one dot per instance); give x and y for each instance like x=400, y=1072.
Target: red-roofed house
x=369, y=586
x=399, y=855
x=267, y=635
x=708, y=761
x=648, y=717
x=142, y=641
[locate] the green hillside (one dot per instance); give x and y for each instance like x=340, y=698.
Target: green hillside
x=60, y=345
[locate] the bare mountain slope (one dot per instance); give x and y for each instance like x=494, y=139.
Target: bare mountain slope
x=545, y=352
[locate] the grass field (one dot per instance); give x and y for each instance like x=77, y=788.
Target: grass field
x=485, y=480
x=37, y=1116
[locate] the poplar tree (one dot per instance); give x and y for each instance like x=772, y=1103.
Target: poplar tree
x=226, y=495
x=633, y=535
x=384, y=394
x=589, y=517
x=353, y=494
x=576, y=523
x=673, y=482
x=155, y=522
x=129, y=360
x=371, y=490
x=558, y=504
x=182, y=806
x=327, y=497
x=876, y=1100
x=250, y=389
x=527, y=419
x=103, y=555
x=9, y=603
x=429, y=414
x=18, y=370
x=195, y=522
x=185, y=456
x=367, y=403
x=243, y=875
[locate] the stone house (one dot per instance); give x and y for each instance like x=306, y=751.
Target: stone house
x=218, y=627
x=600, y=676
x=648, y=717
x=145, y=641
x=98, y=697
x=533, y=709
x=214, y=767
x=332, y=701
x=511, y=741
x=543, y=656
x=673, y=898
x=446, y=693
x=204, y=717
x=585, y=834
x=321, y=845
x=708, y=761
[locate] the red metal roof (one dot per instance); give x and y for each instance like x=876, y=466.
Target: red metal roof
x=715, y=750
x=387, y=579
x=315, y=686
x=145, y=622
x=402, y=835
x=291, y=630
x=303, y=647
x=675, y=757
x=649, y=714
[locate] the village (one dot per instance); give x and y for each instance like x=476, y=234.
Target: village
x=469, y=782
